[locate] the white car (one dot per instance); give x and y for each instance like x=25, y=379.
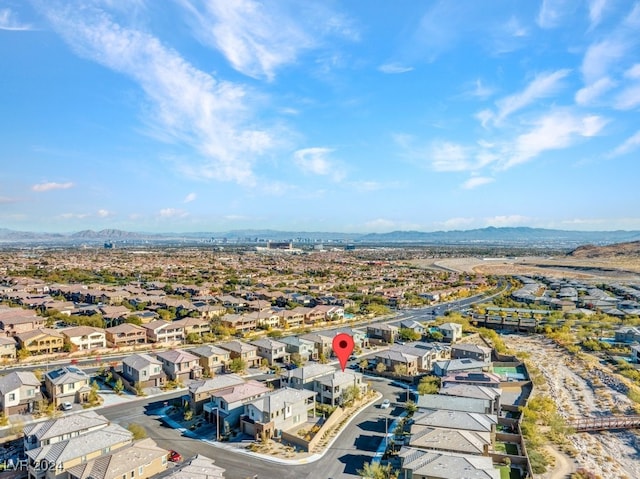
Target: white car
x=385, y=404
x=66, y=406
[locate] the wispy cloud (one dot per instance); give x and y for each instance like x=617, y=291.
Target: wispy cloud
x=628, y=98
x=600, y=57
x=103, y=213
x=630, y=144
x=590, y=93
x=448, y=156
x=479, y=90
x=476, y=181
x=394, y=68
x=74, y=216
x=49, y=186
x=316, y=161
x=5, y=200
x=8, y=21
x=553, y=12
x=172, y=213
x=555, y=130
x=189, y=198
x=187, y=105
x=507, y=220
x=596, y=10
x=542, y=86
x=258, y=38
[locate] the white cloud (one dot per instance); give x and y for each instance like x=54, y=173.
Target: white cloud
x=189, y=198
x=74, y=216
x=188, y=106
x=479, y=90
x=508, y=220
x=49, y=186
x=447, y=156
x=394, y=68
x=555, y=130
x=172, y=213
x=9, y=22
x=104, y=213
x=590, y=93
x=316, y=161
x=628, y=98
x=633, y=72
x=596, y=9
x=552, y=12
x=515, y=28
x=600, y=57
x=543, y=85
x=630, y=144
x=476, y=181
x=457, y=223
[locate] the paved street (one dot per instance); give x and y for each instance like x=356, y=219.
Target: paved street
x=355, y=446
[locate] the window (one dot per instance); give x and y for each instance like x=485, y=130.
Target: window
x=140, y=470
x=12, y=396
x=133, y=474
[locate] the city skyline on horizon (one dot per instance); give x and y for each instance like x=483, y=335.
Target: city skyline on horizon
x=217, y=116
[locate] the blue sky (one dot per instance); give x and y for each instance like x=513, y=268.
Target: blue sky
x=361, y=116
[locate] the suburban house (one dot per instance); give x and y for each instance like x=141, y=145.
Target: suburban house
x=193, y=326
x=454, y=366
x=41, y=341
x=454, y=403
x=424, y=464
x=180, y=365
x=7, y=348
x=200, y=392
x=277, y=411
x=213, y=359
x=141, y=460
x=76, y=450
x=17, y=320
x=451, y=332
x=383, y=332
x=143, y=370
x=295, y=345
x=413, y=326
x=164, y=332
x=85, y=337
x=239, y=323
x=291, y=318
x=334, y=388
x=322, y=344
x=198, y=467
x=359, y=336
x=480, y=379
x=19, y=393
x=450, y=440
x=51, y=431
x=271, y=350
x=468, y=421
x=227, y=405
x=67, y=384
x=398, y=361
x=302, y=378
x=247, y=352
x=427, y=353
x=470, y=391
x=473, y=351
x=125, y=334
x=627, y=335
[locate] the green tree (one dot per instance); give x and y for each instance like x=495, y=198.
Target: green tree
x=428, y=385
x=408, y=334
x=137, y=430
x=237, y=365
x=380, y=367
x=118, y=387
x=364, y=364
x=375, y=470
x=193, y=338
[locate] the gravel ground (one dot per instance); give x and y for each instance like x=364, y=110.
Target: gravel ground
x=586, y=388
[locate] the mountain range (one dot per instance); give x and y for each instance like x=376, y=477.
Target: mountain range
x=515, y=236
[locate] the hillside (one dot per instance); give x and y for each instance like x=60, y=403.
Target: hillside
x=630, y=249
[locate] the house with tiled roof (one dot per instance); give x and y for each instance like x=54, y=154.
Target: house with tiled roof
x=200, y=391
x=164, y=331
x=125, y=334
x=245, y=351
x=198, y=467
x=7, y=348
x=272, y=350
x=445, y=465
x=180, y=365
x=143, y=370
x=41, y=341
x=67, y=384
x=193, y=326
x=19, y=392
x=85, y=337
x=51, y=431
x=213, y=359
x=226, y=405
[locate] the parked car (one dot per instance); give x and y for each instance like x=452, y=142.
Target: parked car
x=66, y=406
x=174, y=456
x=385, y=404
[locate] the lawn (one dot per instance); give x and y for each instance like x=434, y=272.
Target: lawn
x=507, y=473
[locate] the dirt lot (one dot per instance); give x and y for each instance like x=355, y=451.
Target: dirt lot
x=584, y=388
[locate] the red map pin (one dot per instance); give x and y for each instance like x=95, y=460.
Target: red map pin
x=343, y=347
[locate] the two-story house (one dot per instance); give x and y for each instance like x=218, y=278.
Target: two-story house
x=180, y=365
x=277, y=411
x=143, y=370
x=164, y=332
x=67, y=384
x=473, y=351
x=398, y=361
x=271, y=350
x=245, y=351
x=41, y=341
x=7, y=349
x=302, y=347
x=225, y=406
x=334, y=388
x=125, y=334
x=85, y=337
x=191, y=325
x=451, y=332
x=19, y=392
x=213, y=359
x=200, y=392
x=384, y=332
x=51, y=431
x=302, y=378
